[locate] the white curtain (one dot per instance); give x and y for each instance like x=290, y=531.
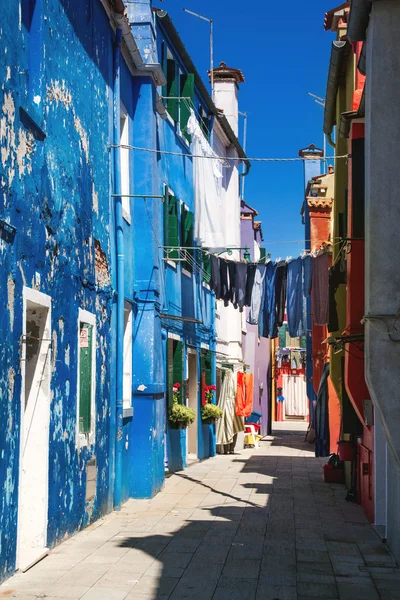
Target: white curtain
x=294, y=392
x=209, y=222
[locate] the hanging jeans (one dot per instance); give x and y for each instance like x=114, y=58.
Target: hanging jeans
x=267, y=325
x=257, y=294
x=251, y=273
x=215, y=280
x=307, y=274
x=280, y=290
x=224, y=281
x=232, y=280
x=295, y=304
x=240, y=285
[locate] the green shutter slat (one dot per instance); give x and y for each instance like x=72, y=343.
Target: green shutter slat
x=208, y=367
x=171, y=230
x=85, y=382
x=187, y=91
x=262, y=255
x=170, y=371
x=187, y=221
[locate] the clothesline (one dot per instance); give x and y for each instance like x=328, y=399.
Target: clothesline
x=225, y=158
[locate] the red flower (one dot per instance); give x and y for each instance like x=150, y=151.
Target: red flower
x=177, y=385
x=212, y=388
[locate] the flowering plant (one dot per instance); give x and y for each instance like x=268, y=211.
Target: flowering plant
x=209, y=392
x=176, y=392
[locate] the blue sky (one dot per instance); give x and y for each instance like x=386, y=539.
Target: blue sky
x=283, y=51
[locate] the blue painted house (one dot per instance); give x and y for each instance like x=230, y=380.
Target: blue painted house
x=102, y=307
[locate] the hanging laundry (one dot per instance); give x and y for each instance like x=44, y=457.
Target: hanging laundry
x=307, y=274
x=267, y=319
x=215, y=280
x=210, y=216
x=256, y=294
x=240, y=285
x=230, y=424
x=251, y=273
x=280, y=291
x=319, y=290
x=224, y=278
x=232, y=280
x=336, y=277
x=244, y=394
x=295, y=299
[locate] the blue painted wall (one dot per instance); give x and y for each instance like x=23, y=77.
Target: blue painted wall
x=55, y=192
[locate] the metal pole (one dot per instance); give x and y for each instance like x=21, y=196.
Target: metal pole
x=211, y=59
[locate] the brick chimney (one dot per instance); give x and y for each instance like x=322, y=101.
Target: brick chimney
x=226, y=87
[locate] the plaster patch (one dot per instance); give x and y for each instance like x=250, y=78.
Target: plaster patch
x=83, y=135
x=58, y=92
x=11, y=299
x=101, y=266
x=95, y=198
x=67, y=355
x=8, y=73
x=23, y=152
x=7, y=135
x=11, y=383
x=54, y=353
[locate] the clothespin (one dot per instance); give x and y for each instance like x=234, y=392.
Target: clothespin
x=288, y=258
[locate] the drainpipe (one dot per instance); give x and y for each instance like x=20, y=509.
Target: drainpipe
x=119, y=443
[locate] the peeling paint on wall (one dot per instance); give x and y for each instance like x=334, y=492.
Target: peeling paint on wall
x=11, y=297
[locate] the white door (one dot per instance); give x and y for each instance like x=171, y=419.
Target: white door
x=35, y=417
x=295, y=394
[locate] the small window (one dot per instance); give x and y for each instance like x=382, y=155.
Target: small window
x=86, y=372
x=125, y=163
x=187, y=222
x=127, y=382
x=171, y=225
x=186, y=101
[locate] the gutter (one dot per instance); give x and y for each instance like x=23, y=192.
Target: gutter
x=119, y=441
x=335, y=68
x=172, y=33
x=358, y=20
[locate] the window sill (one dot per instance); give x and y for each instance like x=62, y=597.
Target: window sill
x=126, y=216
x=206, y=285
x=186, y=273
x=172, y=263
x=127, y=412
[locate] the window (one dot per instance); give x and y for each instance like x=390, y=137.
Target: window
x=170, y=90
x=125, y=163
x=86, y=374
x=171, y=224
x=263, y=255
x=127, y=381
x=186, y=102
x=187, y=221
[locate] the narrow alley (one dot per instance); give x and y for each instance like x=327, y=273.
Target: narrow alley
x=260, y=524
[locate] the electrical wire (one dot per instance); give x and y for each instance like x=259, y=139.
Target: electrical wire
x=223, y=158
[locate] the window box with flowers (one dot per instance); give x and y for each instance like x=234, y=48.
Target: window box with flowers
x=210, y=412
x=180, y=416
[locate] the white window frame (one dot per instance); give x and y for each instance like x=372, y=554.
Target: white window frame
x=124, y=139
x=83, y=440
x=127, y=361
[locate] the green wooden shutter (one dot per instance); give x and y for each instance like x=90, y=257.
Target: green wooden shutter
x=85, y=378
x=164, y=68
x=172, y=89
x=187, y=91
x=262, y=255
x=178, y=367
x=187, y=236
x=171, y=231
x=282, y=336
x=208, y=367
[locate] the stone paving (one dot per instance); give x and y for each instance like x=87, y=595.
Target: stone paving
x=259, y=525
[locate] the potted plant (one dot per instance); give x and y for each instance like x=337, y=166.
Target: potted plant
x=180, y=416
x=210, y=412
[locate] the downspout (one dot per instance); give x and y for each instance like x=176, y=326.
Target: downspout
x=358, y=20
x=119, y=443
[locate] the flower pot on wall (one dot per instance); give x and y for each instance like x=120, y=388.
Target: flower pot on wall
x=179, y=425
x=209, y=421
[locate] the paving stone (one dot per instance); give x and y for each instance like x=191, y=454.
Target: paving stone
x=316, y=590
x=350, y=591
x=268, y=592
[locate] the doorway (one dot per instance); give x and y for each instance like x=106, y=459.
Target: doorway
x=295, y=394
x=35, y=417
x=193, y=402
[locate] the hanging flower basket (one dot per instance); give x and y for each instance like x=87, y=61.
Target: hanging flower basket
x=210, y=412
x=346, y=450
x=180, y=416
